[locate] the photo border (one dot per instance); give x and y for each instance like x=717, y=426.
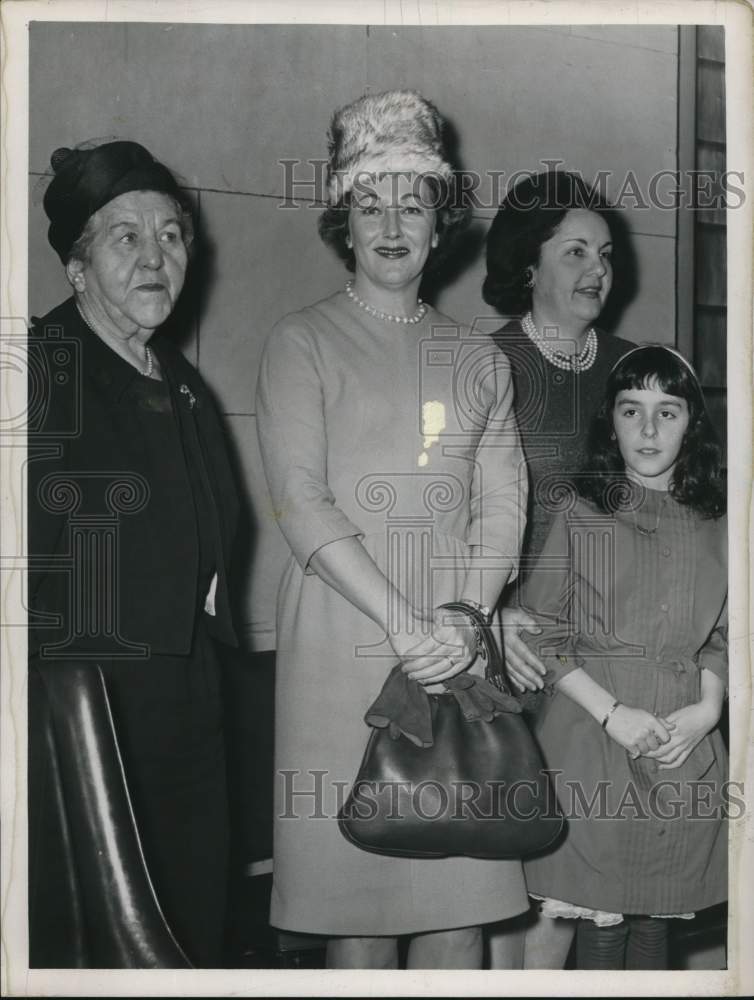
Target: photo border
x=17, y=979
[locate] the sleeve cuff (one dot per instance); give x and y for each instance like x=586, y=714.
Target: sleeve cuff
x=555, y=653
x=306, y=539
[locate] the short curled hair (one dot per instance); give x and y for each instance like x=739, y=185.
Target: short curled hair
x=527, y=218
x=81, y=248
x=452, y=217
x=696, y=480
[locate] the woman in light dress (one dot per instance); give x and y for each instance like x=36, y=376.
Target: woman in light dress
x=396, y=476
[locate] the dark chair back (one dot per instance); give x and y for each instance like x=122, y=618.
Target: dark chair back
x=77, y=787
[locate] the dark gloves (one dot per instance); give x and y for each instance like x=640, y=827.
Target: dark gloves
x=479, y=699
x=403, y=705
x=406, y=708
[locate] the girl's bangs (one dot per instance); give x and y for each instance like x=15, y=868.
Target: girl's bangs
x=656, y=369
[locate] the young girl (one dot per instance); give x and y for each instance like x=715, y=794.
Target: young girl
x=634, y=638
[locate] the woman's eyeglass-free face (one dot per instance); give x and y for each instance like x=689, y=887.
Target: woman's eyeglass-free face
x=650, y=426
x=137, y=262
x=392, y=229
x=573, y=276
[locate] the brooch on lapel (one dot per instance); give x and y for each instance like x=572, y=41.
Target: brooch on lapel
x=187, y=392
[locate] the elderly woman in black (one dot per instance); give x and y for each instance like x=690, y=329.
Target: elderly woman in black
x=132, y=435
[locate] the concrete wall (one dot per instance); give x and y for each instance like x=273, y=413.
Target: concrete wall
x=223, y=105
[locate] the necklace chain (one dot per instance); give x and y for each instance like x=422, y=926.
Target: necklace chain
x=650, y=531
x=418, y=316
x=147, y=349
x=580, y=362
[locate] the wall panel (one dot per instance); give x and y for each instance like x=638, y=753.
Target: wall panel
x=266, y=262
x=263, y=550
x=220, y=104
x=518, y=96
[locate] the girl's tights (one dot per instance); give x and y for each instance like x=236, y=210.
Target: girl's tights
x=635, y=943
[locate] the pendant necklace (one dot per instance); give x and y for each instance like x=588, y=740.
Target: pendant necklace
x=651, y=531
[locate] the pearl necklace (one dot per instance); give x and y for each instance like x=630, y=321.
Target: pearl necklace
x=576, y=363
x=418, y=316
x=147, y=350
x=150, y=363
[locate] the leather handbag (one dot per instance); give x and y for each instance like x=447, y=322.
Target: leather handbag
x=477, y=786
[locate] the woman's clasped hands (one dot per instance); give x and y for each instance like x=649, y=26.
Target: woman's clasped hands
x=436, y=649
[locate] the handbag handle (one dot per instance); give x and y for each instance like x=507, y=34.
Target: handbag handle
x=493, y=668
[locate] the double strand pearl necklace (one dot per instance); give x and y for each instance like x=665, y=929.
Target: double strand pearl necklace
x=418, y=316
x=147, y=349
x=580, y=362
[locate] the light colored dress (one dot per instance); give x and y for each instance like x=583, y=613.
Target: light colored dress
x=403, y=436
x=643, y=613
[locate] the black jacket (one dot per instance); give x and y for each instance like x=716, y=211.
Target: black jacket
x=97, y=497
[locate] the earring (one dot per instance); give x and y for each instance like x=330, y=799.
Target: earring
x=349, y=242
x=435, y=240
x=528, y=278
x=613, y=437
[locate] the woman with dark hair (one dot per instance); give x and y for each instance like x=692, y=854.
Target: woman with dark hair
x=395, y=497
x=550, y=265
x=635, y=641
x=550, y=268
x=132, y=513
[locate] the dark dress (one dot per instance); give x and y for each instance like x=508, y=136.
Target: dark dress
x=643, y=615
x=132, y=511
x=554, y=409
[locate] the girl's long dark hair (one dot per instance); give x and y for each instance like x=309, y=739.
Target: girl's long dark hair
x=696, y=480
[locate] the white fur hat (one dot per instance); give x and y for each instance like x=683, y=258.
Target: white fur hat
x=398, y=130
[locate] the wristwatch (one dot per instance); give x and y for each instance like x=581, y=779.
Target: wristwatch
x=481, y=608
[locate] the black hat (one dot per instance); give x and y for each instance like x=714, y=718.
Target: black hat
x=87, y=179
